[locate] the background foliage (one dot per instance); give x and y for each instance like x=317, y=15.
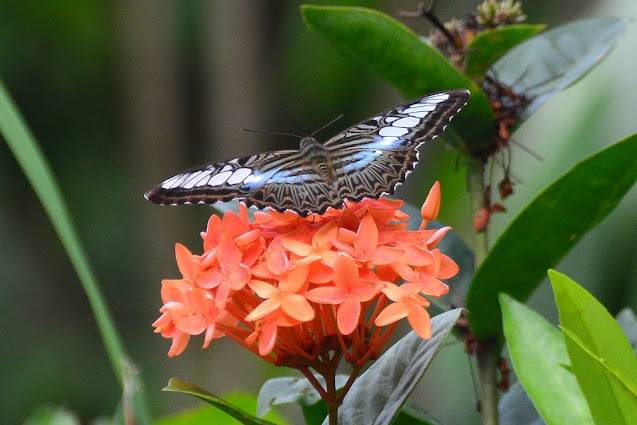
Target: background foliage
x=121, y=94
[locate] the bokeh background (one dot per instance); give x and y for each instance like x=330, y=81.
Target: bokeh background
x=121, y=94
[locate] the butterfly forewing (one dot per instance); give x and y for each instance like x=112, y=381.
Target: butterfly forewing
x=366, y=160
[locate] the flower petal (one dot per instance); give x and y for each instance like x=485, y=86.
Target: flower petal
x=348, y=315
x=420, y=321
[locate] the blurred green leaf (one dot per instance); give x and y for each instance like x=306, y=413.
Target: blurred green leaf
x=601, y=356
x=27, y=153
x=538, y=356
x=378, y=394
x=486, y=47
x=547, y=229
x=395, y=53
x=212, y=415
x=177, y=385
x=52, y=415
x=546, y=64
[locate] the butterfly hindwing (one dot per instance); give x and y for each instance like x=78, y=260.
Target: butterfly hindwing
x=377, y=154
x=365, y=161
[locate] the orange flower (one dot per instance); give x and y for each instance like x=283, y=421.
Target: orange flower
x=296, y=290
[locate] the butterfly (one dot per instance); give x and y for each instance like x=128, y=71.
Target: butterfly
x=365, y=161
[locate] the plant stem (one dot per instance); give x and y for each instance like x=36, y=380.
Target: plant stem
x=486, y=361
x=488, y=351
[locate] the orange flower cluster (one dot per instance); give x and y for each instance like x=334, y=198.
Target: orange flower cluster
x=291, y=288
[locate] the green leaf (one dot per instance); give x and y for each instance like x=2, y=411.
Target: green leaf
x=211, y=415
x=291, y=389
x=177, y=385
x=601, y=356
x=52, y=415
x=488, y=46
x=395, y=53
x=27, y=153
x=538, y=356
x=547, y=229
x=378, y=394
x=546, y=64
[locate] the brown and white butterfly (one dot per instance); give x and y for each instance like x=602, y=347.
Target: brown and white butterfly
x=365, y=161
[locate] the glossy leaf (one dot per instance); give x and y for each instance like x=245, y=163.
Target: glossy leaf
x=395, y=53
x=544, y=65
x=485, y=48
x=547, y=229
x=539, y=357
x=177, y=385
x=378, y=395
x=601, y=356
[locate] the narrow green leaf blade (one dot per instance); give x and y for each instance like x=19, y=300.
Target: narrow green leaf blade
x=538, y=356
x=556, y=219
x=378, y=394
x=177, y=385
x=601, y=356
x=395, y=53
x=488, y=46
x=27, y=153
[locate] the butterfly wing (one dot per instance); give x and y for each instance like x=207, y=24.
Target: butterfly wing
x=374, y=156
x=278, y=179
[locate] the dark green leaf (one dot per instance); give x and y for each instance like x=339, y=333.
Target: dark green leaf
x=488, y=46
x=378, y=395
x=544, y=65
x=177, y=385
x=395, y=53
x=601, y=356
x=547, y=229
x=538, y=356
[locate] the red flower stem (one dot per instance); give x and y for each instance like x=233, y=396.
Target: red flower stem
x=315, y=383
x=350, y=381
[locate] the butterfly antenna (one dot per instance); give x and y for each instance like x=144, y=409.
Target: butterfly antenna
x=327, y=125
x=275, y=133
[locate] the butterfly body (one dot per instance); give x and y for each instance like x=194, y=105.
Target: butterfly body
x=364, y=161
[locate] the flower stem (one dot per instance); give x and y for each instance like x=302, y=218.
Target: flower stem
x=488, y=351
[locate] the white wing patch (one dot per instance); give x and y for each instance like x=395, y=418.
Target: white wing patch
x=392, y=131
x=239, y=175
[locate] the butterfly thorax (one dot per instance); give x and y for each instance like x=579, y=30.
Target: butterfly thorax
x=318, y=158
